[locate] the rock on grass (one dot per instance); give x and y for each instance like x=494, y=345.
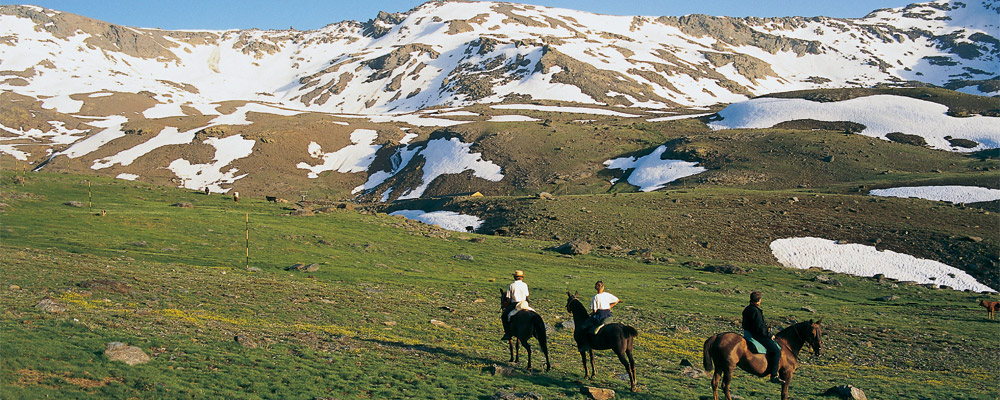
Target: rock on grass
x=131, y=355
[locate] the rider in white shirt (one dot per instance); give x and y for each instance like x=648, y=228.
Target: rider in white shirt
x=601, y=307
x=516, y=293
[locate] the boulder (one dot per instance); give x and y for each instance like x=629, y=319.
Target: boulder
x=50, y=306
x=576, y=247
x=693, y=373
x=439, y=323
x=74, y=204
x=245, y=341
x=597, y=393
x=465, y=257
x=499, y=370
x=131, y=355
x=846, y=392
x=887, y=298
x=304, y=268
x=546, y=196
x=106, y=285
x=725, y=269
x=183, y=205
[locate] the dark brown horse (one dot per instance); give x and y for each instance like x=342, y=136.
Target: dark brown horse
x=616, y=337
x=523, y=326
x=729, y=350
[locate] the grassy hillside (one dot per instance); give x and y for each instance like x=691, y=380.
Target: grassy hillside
x=173, y=282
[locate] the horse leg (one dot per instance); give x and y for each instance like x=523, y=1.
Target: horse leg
x=517, y=351
x=593, y=371
x=510, y=346
x=545, y=349
x=583, y=355
x=527, y=347
x=784, y=386
x=631, y=363
x=624, y=360
x=715, y=383
x=727, y=377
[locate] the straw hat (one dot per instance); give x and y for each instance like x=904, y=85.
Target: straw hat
x=519, y=273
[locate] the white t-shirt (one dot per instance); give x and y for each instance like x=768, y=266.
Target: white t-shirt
x=602, y=301
x=518, y=291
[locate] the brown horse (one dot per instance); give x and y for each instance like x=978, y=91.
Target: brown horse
x=616, y=337
x=729, y=350
x=991, y=307
x=523, y=326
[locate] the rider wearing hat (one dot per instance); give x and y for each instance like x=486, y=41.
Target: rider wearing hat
x=516, y=293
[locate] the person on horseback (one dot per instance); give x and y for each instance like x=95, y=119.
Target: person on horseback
x=601, y=305
x=516, y=293
x=753, y=323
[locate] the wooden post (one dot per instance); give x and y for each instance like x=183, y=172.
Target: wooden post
x=90, y=197
x=248, y=240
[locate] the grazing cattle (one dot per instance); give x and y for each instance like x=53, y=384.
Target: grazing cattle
x=273, y=199
x=991, y=307
x=236, y=197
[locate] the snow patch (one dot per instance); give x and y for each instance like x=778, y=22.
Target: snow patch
x=861, y=260
x=881, y=114
x=352, y=158
x=575, y=110
x=199, y=176
x=952, y=194
x=449, y=220
x=451, y=156
x=512, y=118
x=650, y=172
x=128, y=177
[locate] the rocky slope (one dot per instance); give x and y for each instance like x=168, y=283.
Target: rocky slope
x=276, y=110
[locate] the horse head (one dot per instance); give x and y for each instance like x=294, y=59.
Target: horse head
x=570, y=297
x=504, y=301
x=814, y=336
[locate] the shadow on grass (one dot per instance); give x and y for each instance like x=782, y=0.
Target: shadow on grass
x=454, y=357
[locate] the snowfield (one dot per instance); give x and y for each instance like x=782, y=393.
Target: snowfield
x=356, y=157
x=880, y=114
x=951, y=194
x=861, y=260
x=449, y=220
x=650, y=172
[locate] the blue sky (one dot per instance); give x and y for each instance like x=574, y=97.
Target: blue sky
x=313, y=14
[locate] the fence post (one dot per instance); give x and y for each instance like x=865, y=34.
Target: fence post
x=248, y=240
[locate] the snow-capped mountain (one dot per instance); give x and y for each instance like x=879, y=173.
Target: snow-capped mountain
x=454, y=53
x=209, y=108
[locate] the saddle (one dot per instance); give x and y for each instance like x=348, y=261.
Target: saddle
x=521, y=306
x=753, y=344
x=594, y=330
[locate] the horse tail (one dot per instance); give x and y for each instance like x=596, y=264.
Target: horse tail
x=707, y=361
x=539, y=326
x=630, y=332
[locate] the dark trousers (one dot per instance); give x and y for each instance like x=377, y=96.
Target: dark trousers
x=773, y=354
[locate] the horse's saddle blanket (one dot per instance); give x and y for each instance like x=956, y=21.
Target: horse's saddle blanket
x=521, y=306
x=753, y=344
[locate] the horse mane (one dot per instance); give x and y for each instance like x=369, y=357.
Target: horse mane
x=793, y=329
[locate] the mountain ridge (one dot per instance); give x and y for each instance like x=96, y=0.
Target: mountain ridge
x=502, y=49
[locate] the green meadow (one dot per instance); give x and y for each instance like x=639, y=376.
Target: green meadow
x=174, y=282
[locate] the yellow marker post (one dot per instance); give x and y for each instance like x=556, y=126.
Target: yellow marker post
x=90, y=196
x=248, y=240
